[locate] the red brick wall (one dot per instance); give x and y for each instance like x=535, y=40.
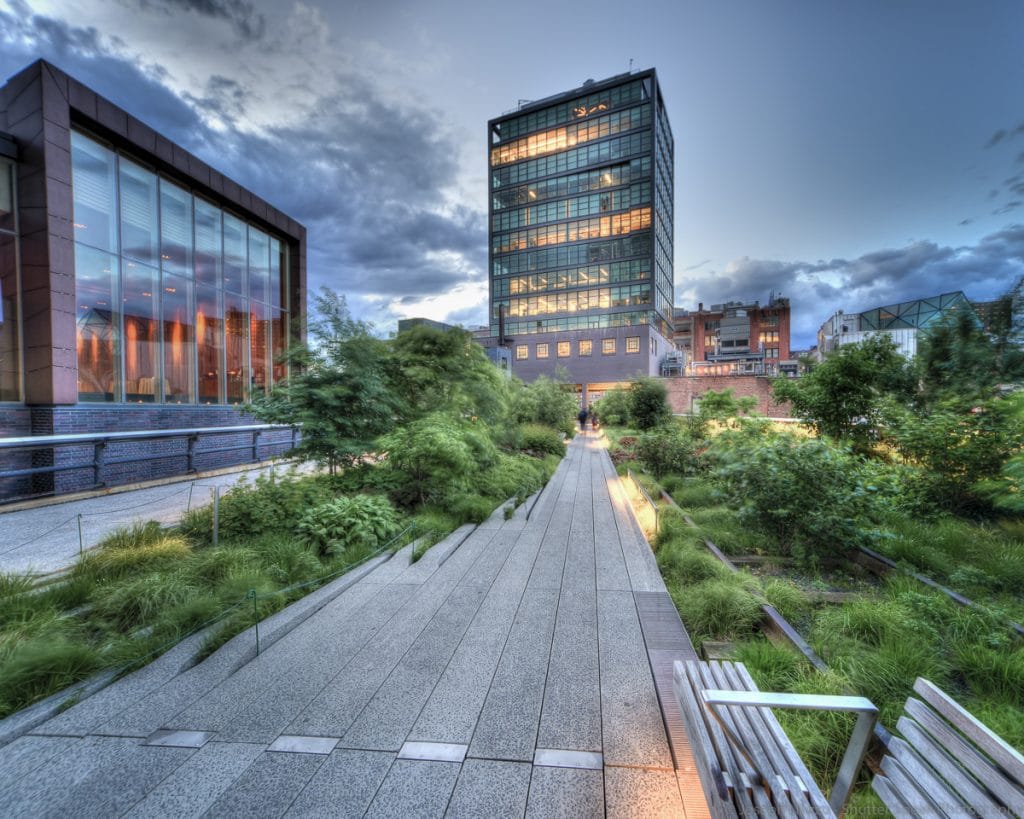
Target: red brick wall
x=681, y=389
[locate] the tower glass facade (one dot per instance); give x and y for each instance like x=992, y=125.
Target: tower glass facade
x=581, y=218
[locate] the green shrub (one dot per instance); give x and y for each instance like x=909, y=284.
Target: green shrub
x=512, y=476
x=773, y=667
x=994, y=673
x=787, y=598
x=691, y=493
x=209, y=567
x=718, y=609
x=287, y=561
x=546, y=402
x=140, y=600
x=668, y=451
x=40, y=667
x=124, y=555
x=361, y=521
x=471, y=508
x=672, y=526
x=648, y=403
x=539, y=438
x=615, y=408
x=684, y=565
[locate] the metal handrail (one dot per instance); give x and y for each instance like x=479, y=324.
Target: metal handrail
x=34, y=441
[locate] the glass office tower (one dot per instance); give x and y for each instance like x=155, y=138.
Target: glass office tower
x=581, y=232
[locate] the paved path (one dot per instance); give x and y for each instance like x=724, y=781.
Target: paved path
x=503, y=674
x=45, y=539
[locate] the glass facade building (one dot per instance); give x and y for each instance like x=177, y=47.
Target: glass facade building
x=142, y=290
x=178, y=300
x=580, y=221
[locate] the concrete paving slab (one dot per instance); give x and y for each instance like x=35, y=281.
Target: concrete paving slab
x=414, y=788
x=633, y=728
x=344, y=785
x=26, y=753
x=195, y=786
x=565, y=792
x=95, y=777
x=268, y=786
x=636, y=793
x=490, y=788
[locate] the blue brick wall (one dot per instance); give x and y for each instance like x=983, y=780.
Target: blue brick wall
x=120, y=418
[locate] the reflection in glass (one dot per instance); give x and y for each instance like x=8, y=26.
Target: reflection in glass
x=236, y=342
x=208, y=243
x=95, y=280
x=260, y=337
x=259, y=265
x=278, y=297
x=234, y=254
x=175, y=229
x=279, y=345
x=139, y=229
x=179, y=354
x=141, y=300
x=210, y=345
x=94, y=187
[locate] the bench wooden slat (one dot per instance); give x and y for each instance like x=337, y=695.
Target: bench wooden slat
x=717, y=789
x=944, y=798
x=787, y=789
x=967, y=756
x=738, y=723
x=786, y=750
x=901, y=801
x=940, y=761
x=700, y=676
x=1005, y=756
x=904, y=784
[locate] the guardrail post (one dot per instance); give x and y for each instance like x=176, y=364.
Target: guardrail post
x=80, y=546
x=295, y=432
x=255, y=618
x=255, y=444
x=98, y=450
x=192, y=441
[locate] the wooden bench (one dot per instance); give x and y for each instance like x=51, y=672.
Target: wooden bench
x=948, y=763
x=747, y=765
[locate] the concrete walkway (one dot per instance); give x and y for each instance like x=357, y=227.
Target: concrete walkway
x=504, y=674
x=45, y=539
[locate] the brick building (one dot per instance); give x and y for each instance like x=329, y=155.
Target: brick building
x=736, y=338
x=142, y=289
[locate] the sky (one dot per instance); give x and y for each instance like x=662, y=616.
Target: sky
x=844, y=153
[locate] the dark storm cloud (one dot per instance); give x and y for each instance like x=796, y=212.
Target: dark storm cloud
x=248, y=23
x=983, y=271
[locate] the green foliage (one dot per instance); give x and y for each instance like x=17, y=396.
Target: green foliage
x=684, y=564
x=691, y=493
x=961, y=450
x=513, y=476
x=721, y=406
x=339, y=390
x=434, y=370
x=130, y=551
x=40, y=667
x=360, y=521
x=787, y=598
x=806, y=493
x=773, y=667
x=471, y=508
x=547, y=402
x=667, y=450
x=272, y=503
x=842, y=396
x=433, y=458
x=542, y=439
x=615, y=409
x=135, y=601
x=648, y=403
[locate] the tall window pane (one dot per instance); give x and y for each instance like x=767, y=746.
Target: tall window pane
x=175, y=229
x=210, y=344
x=279, y=345
x=236, y=342
x=141, y=300
x=179, y=338
x=276, y=266
x=10, y=337
x=94, y=189
x=209, y=243
x=138, y=213
x=234, y=254
x=259, y=265
x=260, y=336
x=95, y=295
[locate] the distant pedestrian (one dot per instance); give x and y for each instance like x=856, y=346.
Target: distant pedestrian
x=582, y=418
x=593, y=418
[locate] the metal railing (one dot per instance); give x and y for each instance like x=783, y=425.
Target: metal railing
x=99, y=462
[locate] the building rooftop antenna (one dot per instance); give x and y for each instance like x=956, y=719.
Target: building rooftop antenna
x=630, y=65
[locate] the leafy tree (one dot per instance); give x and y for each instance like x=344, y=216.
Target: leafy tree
x=546, y=401
x=648, y=403
x=432, y=370
x=667, y=450
x=956, y=357
x=721, y=406
x=615, y=407
x=842, y=396
x=338, y=391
